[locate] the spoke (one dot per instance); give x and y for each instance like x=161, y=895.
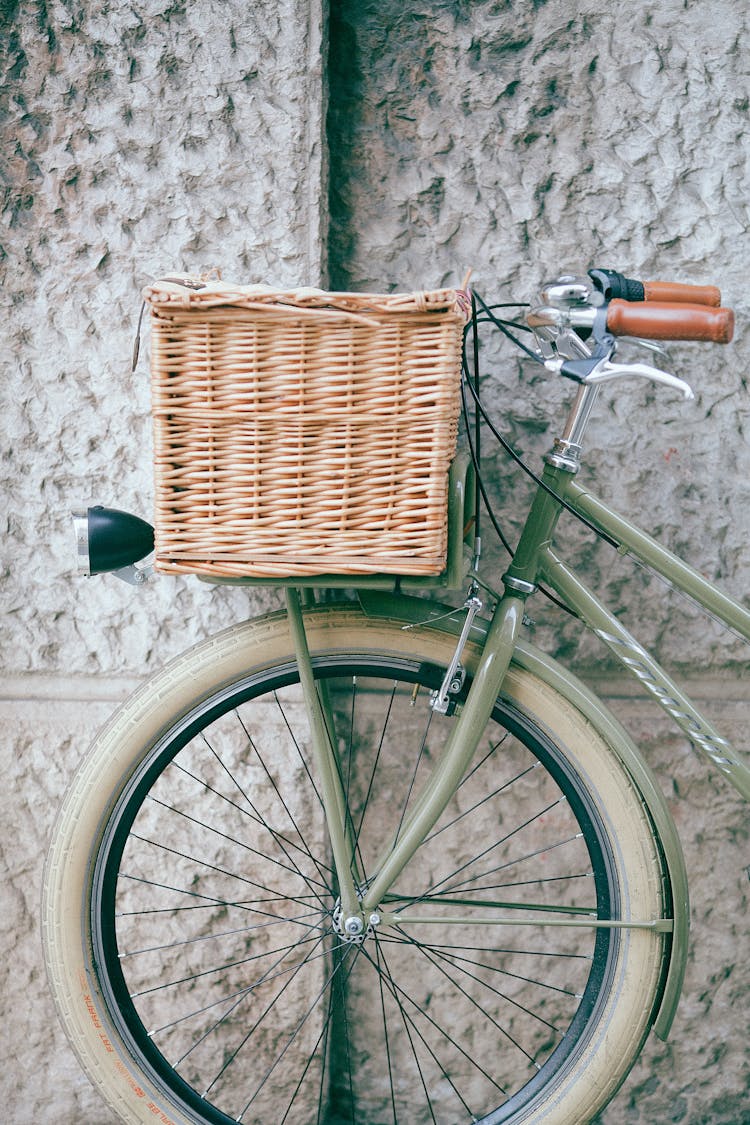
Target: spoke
x=299, y=1026
x=395, y=897
x=515, y=862
x=352, y=711
x=305, y=846
x=480, y=802
x=254, y=815
x=443, y=1071
x=325, y=1056
x=441, y=1031
x=298, y=920
x=490, y=848
x=267, y=976
x=299, y=751
x=515, y=952
x=420, y=755
x=505, y=972
x=228, y=1062
x=424, y=950
x=406, y=1020
x=243, y=904
x=242, y=995
x=228, y=965
x=404, y=939
x=221, y=870
x=308, y=1064
x=294, y=970
x=348, y=823
x=346, y=1042
x=496, y=746
x=312, y=883
x=523, y=883
x=504, y=996
x=373, y=771
x=385, y=1034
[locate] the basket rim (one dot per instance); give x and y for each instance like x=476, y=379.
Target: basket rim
x=195, y=293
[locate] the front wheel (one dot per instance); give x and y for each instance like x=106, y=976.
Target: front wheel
x=192, y=936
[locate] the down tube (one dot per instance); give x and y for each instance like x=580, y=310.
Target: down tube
x=647, y=671
x=653, y=554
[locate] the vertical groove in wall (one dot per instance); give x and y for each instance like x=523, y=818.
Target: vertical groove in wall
x=322, y=133
x=317, y=142
x=342, y=120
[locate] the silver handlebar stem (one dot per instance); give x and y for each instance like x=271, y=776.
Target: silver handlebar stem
x=566, y=450
x=570, y=305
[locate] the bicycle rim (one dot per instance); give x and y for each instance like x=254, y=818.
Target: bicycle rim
x=214, y=929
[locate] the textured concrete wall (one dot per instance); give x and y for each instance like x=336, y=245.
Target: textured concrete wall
x=512, y=138
x=137, y=140
x=519, y=139
x=179, y=137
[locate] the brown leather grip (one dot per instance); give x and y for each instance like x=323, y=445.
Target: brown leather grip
x=670, y=321
x=674, y=293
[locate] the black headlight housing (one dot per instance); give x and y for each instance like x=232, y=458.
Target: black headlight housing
x=109, y=540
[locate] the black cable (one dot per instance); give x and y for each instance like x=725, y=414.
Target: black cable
x=491, y=512
x=502, y=326
x=480, y=490
x=536, y=478
x=480, y=412
x=479, y=479
x=477, y=454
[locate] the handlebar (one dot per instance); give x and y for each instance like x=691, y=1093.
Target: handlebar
x=575, y=326
x=654, y=320
x=612, y=284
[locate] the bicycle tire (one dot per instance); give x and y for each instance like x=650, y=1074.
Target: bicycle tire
x=158, y=814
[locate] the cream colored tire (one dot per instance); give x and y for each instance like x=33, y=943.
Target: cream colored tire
x=618, y=1017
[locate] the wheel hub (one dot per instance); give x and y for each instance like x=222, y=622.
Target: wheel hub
x=354, y=929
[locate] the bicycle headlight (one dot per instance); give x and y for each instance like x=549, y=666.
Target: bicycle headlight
x=108, y=539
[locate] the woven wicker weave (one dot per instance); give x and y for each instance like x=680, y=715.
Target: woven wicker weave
x=302, y=433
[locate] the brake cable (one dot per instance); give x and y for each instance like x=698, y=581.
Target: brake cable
x=481, y=415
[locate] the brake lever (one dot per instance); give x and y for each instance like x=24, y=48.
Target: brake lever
x=647, y=345
x=606, y=372
x=598, y=370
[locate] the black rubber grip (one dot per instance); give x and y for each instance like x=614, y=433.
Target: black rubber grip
x=614, y=285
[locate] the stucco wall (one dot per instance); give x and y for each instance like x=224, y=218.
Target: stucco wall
x=511, y=138
x=179, y=138
x=138, y=140
x=520, y=140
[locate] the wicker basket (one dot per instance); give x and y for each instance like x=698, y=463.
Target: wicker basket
x=302, y=433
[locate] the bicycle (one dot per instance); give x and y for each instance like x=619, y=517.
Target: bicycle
x=381, y=859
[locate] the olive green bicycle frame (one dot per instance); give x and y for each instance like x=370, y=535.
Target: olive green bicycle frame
x=534, y=562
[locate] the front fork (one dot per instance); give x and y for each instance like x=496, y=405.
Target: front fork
x=359, y=903
x=520, y=582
